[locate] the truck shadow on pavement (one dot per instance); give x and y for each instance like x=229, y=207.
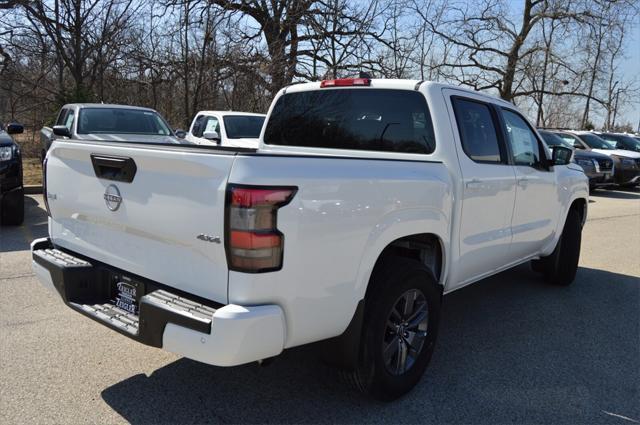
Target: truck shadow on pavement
x=19, y=238
x=623, y=193
x=510, y=349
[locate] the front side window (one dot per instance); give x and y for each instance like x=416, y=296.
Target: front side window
x=198, y=126
x=61, y=117
x=477, y=130
x=68, y=122
x=211, y=124
x=523, y=141
x=121, y=121
x=355, y=118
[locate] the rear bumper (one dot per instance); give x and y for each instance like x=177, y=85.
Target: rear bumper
x=186, y=325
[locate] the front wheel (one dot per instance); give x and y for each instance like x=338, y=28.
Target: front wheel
x=561, y=266
x=402, y=313
x=12, y=208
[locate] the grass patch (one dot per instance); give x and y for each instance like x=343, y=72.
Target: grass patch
x=32, y=171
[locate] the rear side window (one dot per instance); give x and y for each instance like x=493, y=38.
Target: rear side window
x=360, y=119
x=477, y=130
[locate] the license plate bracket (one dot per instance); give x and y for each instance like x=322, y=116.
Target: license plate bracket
x=126, y=293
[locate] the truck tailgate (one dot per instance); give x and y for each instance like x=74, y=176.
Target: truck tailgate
x=169, y=223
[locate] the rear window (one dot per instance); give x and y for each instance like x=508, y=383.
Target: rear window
x=360, y=119
x=121, y=121
x=243, y=126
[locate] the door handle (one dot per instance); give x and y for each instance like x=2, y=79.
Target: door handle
x=523, y=181
x=474, y=184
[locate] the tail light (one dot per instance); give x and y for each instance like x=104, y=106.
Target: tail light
x=253, y=242
x=45, y=195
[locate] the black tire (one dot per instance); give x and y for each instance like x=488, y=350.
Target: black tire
x=395, y=283
x=12, y=208
x=561, y=266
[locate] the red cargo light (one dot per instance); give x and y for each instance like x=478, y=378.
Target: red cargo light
x=346, y=82
x=252, y=240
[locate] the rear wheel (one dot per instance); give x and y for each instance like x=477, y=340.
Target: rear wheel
x=561, y=266
x=402, y=313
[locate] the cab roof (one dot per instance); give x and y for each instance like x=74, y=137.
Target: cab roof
x=392, y=83
x=107, y=105
x=227, y=113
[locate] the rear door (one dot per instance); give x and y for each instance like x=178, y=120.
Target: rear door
x=488, y=191
x=157, y=212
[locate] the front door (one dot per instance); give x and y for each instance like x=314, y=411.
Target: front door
x=537, y=205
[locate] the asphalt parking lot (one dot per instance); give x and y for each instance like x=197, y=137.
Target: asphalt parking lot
x=511, y=350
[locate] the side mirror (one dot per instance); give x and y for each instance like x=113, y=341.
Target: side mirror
x=212, y=135
x=181, y=134
x=561, y=155
x=15, y=128
x=61, y=130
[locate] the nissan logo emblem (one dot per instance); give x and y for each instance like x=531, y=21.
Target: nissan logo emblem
x=112, y=197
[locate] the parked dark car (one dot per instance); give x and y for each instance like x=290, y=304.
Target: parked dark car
x=626, y=164
x=621, y=141
x=598, y=167
x=11, y=189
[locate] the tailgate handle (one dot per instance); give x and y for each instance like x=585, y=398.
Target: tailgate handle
x=116, y=168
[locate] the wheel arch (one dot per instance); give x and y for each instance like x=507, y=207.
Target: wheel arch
x=580, y=206
x=428, y=248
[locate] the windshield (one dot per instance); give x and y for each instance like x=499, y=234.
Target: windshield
x=554, y=140
x=243, y=126
x=621, y=141
x=595, y=142
x=361, y=119
x=121, y=121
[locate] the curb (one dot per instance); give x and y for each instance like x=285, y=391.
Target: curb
x=32, y=189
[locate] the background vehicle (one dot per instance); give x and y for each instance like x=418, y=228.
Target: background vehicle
x=598, y=167
x=626, y=164
x=226, y=128
x=11, y=189
x=621, y=141
x=102, y=122
x=365, y=203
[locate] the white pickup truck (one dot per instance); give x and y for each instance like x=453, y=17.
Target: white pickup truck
x=366, y=202
x=226, y=128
